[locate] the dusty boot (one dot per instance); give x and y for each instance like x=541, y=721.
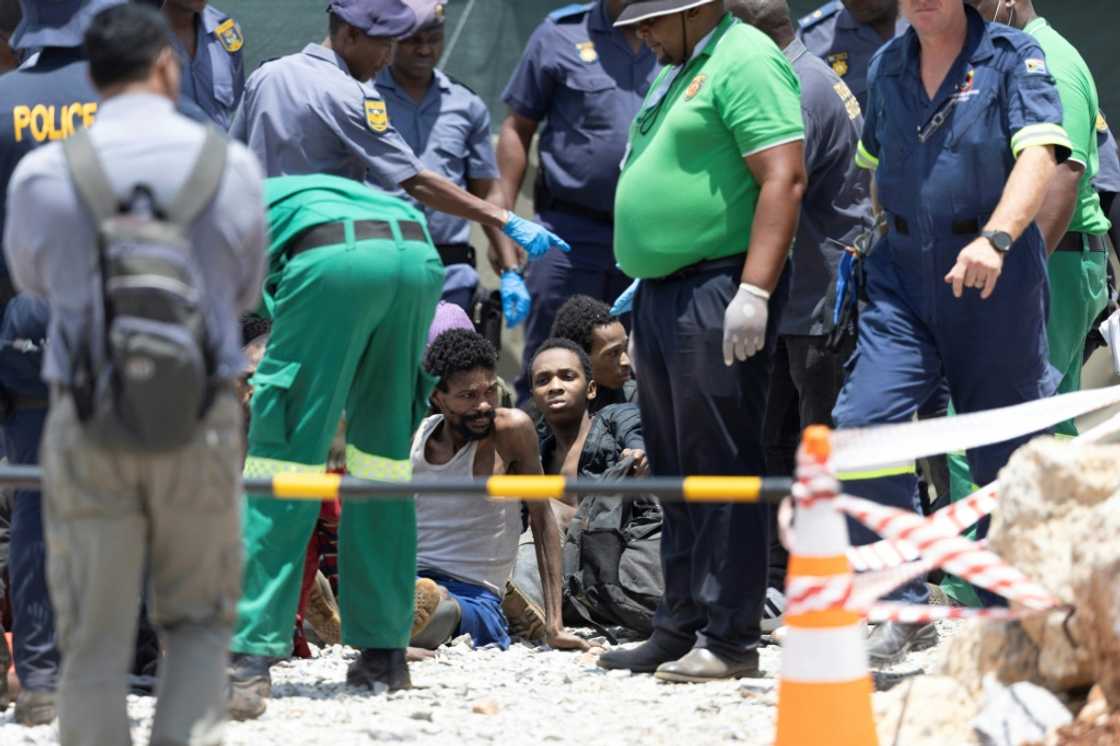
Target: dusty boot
x=526, y=619
x=428, y=596
x=379, y=670
x=322, y=611
x=890, y=641
x=250, y=686
x=35, y=708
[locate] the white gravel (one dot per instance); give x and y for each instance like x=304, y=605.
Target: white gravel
x=520, y=696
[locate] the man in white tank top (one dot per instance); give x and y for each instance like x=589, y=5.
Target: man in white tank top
x=466, y=544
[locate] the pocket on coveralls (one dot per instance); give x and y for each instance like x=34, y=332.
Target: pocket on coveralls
x=269, y=409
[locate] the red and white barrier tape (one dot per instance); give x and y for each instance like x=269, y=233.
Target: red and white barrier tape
x=891, y=612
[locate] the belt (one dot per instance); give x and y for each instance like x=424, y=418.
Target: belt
x=456, y=253
x=1074, y=241
x=571, y=208
x=967, y=227
x=332, y=234
x=709, y=265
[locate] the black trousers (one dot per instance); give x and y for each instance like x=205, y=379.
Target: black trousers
x=701, y=417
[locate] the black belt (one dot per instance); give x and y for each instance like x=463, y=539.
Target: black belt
x=456, y=253
x=959, y=227
x=332, y=234
x=710, y=265
x=571, y=208
x=1074, y=241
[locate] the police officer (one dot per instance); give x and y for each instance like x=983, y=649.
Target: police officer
x=209, y=45
x=585, y=80
x=113, y=515
x=448, y=126
x=957, y=287
x=314, y=112
x=847, y=33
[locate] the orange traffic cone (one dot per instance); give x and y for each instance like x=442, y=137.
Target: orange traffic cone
x=824, y=696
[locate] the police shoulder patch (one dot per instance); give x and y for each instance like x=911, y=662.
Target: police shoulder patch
x=377, y=116
x=825, y=11
x=1102, y=123
x=229, y=35
x=570, y=13
x=1035, y=66
x=851, y=104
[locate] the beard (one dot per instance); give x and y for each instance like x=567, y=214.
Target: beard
x=461, y=427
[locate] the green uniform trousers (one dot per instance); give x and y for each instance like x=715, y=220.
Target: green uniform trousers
x=1078, y=293
x=350, y=323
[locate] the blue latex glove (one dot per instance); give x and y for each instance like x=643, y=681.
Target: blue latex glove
x=515, y=298
x=844, y=280
x=535, y=239
x=625, y=302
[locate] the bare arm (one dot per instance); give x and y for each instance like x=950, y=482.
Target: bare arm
x=503, y=253
x=436, y=192
x=1060, y=203
x=780, y=172
x=514, y=139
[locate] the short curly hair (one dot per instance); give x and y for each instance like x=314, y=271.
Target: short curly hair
x=458, y=351
x=559, y=343
x=579, y=317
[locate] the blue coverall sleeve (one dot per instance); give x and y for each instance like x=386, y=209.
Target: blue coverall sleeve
x=1034, y=109
x=867, y=151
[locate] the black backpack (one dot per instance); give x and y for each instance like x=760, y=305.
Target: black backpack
x=143, y=382
x=612, y=560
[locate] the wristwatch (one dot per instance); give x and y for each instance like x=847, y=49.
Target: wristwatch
x=1000, y=240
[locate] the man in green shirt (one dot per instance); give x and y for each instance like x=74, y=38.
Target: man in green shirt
x=705, y=213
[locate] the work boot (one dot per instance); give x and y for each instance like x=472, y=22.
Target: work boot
x=250, y=686
x=889, y=641
x=322, y=611
x=427, y=600
x=701, y=664
x=646, y=657
x=526, y=619
x=35, y=708
x=379, y=669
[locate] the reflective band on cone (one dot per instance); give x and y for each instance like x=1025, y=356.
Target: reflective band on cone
x=824, y=696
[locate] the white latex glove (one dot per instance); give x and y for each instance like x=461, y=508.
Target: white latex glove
x=744, y=323
x=1110, y=330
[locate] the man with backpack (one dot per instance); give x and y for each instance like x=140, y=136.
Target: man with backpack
x=145, y=234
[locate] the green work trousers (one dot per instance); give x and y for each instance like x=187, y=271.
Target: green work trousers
x=350, y=323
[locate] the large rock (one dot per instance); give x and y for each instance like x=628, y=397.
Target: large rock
x=983, y=647
x=926, y=711
x=1058, y=521
x=1016, y=714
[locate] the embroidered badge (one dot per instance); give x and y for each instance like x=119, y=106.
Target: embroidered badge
x=695, y=86
x=851, y=104
x=376, y=116
x=966, y=89
x=838, y=62
x=1102, y=125
x=1035, y=66
x=587, y=51
x=229, y=36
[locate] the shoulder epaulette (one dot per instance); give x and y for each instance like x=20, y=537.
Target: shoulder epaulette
x=461, y=84
x=570, y=12
x=825, y=11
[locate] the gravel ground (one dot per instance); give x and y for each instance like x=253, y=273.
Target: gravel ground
x=520, y=696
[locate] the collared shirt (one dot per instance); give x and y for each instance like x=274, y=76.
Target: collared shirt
x=450, y=131
x=42, y=102
x=836, y=207
x=945, y=160
x=1108, y=178
x=834, y=35
x=51, y=240
x=305, y=114
x=685, y=194
x=1080, y=108
x=214, y=78
x=580, y=76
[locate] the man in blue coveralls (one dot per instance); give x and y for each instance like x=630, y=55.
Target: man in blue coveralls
x=963, y=133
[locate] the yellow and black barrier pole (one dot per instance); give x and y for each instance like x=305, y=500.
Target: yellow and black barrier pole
x=304, y=486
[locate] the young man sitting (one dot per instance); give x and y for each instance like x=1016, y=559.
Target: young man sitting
x=466, y=545
x=588, y=322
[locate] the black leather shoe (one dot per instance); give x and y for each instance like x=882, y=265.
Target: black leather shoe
x=701, y=664
x=889, y=641
x=644, y=658
x=250, y=686
x=379, y=670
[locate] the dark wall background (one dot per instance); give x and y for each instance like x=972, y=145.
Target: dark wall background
x=487, y=35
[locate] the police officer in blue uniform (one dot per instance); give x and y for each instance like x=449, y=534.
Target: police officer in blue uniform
x=48, y=98
x=847, y=33
x=585, y=80
x=963, y=132
x=448, y=126
x=209, y=44
x=315, y=112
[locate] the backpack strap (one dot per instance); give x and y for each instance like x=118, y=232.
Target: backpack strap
x=202, y=184
x=89, y=176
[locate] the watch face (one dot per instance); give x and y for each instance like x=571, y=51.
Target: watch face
x=1000, y=240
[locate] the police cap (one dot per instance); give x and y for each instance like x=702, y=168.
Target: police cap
x=429, y=14
x=641, y=10
x=56, y=23
x=383, y=19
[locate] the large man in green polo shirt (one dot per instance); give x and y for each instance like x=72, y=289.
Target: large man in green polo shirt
x=705, y=212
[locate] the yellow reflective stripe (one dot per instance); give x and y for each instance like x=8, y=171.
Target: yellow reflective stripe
x=886, y=471
x=368, y=466
x=306, y=486
x=525, y=487
x=258, y=467
x=864, y=159
x=1039, y=134
x=721, y=489
x=1063, y=436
